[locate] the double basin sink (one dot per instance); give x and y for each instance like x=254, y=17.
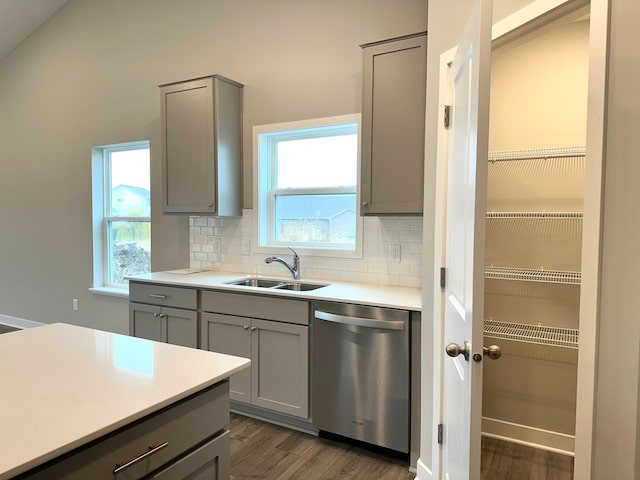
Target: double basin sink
x=276, y=284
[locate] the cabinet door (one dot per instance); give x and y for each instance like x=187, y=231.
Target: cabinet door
x=393, y=120
x=145, y=322
x=202, y=146
x=187, y=146
x=230, y=335
x=280, y=367
x=181, y=327
x=208, y=462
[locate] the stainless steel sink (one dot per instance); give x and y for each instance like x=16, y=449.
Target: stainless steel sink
x=300, y=286
x=255, y=282
x=276, y=284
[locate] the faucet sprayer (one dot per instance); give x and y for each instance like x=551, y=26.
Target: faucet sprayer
x=294, y=269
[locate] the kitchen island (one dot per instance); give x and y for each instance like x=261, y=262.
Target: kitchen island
x=81, y=403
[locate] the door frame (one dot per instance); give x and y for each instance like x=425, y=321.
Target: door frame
x=533, y=16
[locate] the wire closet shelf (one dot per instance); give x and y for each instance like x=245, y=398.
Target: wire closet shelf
x=536, y=215
x=532, y=334
x=533, y=275
x=538, y=154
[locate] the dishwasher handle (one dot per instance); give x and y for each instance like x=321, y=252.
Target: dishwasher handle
x=359, y=321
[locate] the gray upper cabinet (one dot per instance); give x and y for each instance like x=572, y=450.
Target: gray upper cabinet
x=393, y=122
x=202, y=146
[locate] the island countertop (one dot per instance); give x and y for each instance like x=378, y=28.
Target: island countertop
x=64, y=386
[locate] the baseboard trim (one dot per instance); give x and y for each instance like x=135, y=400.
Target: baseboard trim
x=423, y=472
x=18, y=322
x=273, y=417
x=530, y=436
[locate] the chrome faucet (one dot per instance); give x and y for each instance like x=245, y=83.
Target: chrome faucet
x=294, y=269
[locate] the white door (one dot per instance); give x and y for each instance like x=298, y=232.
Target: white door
x=463, y=250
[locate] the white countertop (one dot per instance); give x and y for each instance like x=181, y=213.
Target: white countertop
x=63, y=386
x=407, y=298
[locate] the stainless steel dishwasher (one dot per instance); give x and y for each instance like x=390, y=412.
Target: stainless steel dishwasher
x=360, y=373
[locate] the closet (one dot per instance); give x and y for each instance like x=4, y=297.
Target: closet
x=533, y=234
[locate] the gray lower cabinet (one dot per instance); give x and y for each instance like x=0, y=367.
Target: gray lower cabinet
x=279, y=351
x=393, y=121
x=209, y=462
x=202, y=146
x=187, y=440
x=164, y=313
x=163, y=324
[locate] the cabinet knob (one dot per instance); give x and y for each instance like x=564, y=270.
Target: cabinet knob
x=245, y=327
x=253, y=329
x=210, y=205
x=365, y=205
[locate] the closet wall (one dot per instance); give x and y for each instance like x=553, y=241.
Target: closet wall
x=534, y=229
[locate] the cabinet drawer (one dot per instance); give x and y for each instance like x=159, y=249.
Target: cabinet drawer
x=210, y=462
x=171, y=431
x=163, y=295
x=257, y=306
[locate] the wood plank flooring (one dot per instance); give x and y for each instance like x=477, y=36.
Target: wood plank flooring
x=510, y=461
x=262, y=451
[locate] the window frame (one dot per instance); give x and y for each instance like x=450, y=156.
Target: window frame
x=103, y=216
x=265, y=140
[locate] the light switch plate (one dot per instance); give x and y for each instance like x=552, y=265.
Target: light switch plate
x=394, y=252
x=246, y=246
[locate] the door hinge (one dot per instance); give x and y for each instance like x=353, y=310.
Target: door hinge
x=447, y=116
x=443, y=276
x=440, y=433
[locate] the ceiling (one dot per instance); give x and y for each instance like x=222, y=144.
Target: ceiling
x=19, y=18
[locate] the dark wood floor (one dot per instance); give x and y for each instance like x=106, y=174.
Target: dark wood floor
x=261, y=451
x=510, y=461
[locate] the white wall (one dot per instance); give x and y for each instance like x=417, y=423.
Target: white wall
x=89, y=77
x=539, y=89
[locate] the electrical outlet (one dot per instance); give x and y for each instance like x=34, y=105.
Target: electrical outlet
x=75, y=304
x=394, y=252
x=246, y=246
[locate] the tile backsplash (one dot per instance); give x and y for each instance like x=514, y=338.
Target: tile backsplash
x=225, y=244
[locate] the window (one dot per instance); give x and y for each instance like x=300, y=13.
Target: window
x=121, y=213
x=307, y=185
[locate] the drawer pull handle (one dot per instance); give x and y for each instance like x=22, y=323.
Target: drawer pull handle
x=151, y=451
x=157, y=295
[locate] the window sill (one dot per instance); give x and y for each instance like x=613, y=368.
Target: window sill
x=110, y=291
